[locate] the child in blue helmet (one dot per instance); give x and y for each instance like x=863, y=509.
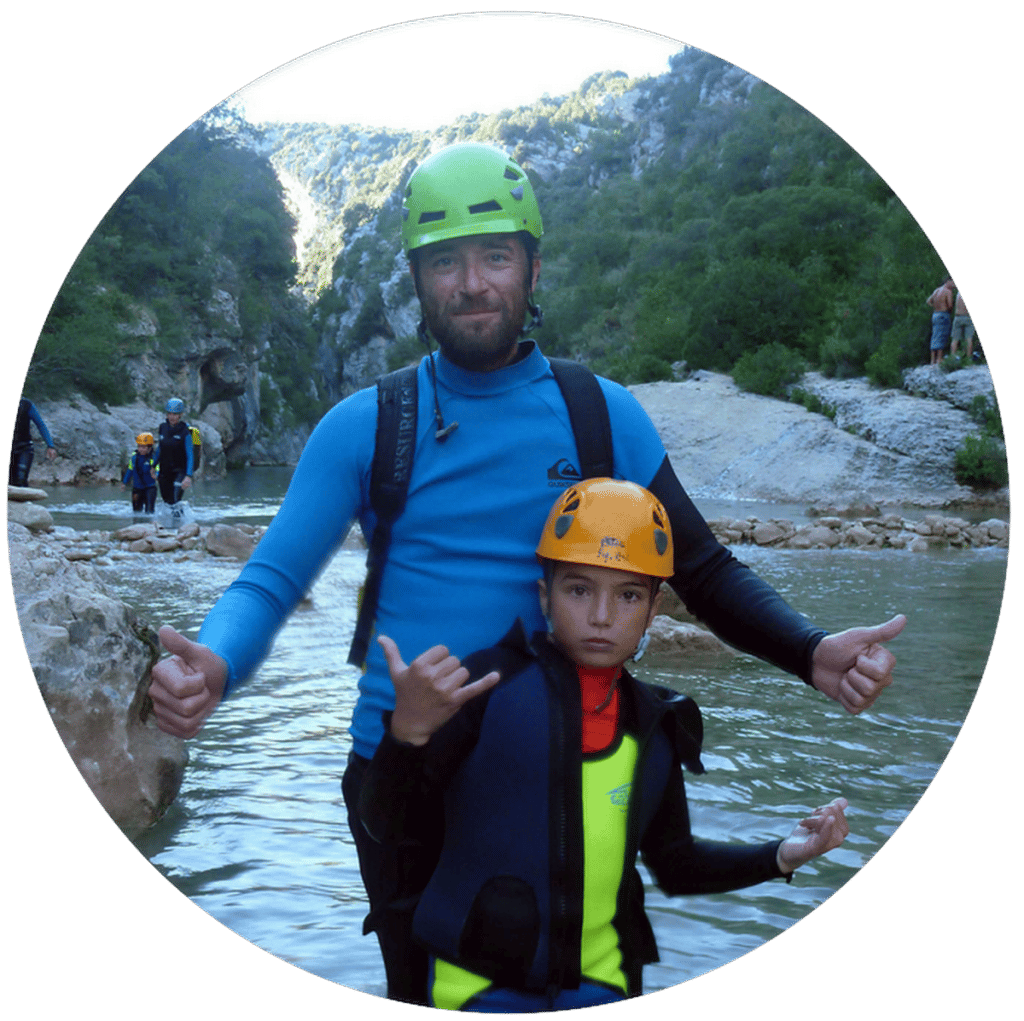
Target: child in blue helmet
x=514, y=791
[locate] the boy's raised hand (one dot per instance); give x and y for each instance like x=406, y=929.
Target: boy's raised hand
x=824, y=829
x=429, y=691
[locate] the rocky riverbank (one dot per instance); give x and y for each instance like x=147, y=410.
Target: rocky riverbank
x=887, y=448
x=92, y=656
x=873, y=447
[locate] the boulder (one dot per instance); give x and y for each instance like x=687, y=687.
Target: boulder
x=138, y=531
x=92, y=656
x=670, y=637
x=767, y=533
x=230, y=541
x=22, y=494
x=31, y=516
x=959, y=388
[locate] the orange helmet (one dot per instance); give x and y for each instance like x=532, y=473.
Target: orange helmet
x=144, y=439
x=608, y=523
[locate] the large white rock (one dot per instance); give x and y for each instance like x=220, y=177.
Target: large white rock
x=91, y=656
x=728, y=444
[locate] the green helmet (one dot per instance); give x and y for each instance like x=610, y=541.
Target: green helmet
x=467, y=189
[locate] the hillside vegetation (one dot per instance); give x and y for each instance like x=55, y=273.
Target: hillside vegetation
x=700, y=217
x=206, y=216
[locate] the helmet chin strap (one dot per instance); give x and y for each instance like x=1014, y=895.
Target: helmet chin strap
x=443, y=431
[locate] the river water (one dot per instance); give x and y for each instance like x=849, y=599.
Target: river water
x=258, y=836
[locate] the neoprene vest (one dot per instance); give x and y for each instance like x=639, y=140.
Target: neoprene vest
x=506, y=900
x=172, y=445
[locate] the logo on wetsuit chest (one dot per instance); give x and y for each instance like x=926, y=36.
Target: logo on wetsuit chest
x=620, y=796
x=563, y=472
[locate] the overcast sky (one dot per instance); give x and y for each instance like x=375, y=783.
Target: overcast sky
x=465, y=65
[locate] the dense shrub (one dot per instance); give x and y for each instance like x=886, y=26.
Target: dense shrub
x=769, y=370
x=981, y=463
x=985, y=412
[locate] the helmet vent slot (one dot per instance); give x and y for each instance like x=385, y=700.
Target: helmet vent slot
x=432, y=217
x=511, y=174
x=491, y=206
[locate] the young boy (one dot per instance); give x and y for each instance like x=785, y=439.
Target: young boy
x=548, y=774
x=143, y=472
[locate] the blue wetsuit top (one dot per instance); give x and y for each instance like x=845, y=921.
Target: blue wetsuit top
x=141, y=472
x=461, y=567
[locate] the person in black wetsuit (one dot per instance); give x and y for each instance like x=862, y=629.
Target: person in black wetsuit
x=22, y=450
x=548, y=768
x=174, y=454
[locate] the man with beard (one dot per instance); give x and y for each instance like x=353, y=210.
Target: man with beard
x=493, y=441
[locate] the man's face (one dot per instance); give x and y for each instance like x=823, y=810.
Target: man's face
x=473, y=294
x=598, y=614
x=172, y=418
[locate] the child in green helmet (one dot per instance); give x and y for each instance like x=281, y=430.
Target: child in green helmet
x=517, y=788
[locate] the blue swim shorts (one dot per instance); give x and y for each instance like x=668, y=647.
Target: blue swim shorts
x=942, y=324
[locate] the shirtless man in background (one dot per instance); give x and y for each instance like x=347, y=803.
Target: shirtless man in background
x=963, y=329
x=941, y=300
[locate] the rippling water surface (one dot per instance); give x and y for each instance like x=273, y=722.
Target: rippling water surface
x=259, y=839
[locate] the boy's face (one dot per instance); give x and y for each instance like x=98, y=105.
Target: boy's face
x=144, y=449
x=598, y=615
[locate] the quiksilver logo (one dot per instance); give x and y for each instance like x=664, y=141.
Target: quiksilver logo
x=563, y=472
x=620, y=796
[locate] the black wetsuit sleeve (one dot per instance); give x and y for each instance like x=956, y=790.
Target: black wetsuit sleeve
x=404, y=783
x=681, y=864
x=725, y=594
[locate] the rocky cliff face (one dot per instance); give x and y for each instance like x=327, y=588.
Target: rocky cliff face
x=343, y=184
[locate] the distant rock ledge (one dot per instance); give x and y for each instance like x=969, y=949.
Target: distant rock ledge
x=894, y=448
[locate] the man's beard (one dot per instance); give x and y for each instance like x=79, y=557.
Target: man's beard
x=476, y=347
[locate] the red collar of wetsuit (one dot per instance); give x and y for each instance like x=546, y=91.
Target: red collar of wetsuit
x=600, y=714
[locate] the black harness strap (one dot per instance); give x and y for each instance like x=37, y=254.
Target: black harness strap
x=588, y=416
x=395, y=447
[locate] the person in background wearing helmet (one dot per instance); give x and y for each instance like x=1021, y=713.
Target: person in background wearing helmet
x=493, y=443
x=555, y=768
x=142, y=472
x=174, y=453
